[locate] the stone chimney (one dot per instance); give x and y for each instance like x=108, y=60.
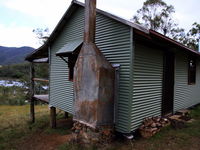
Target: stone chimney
x=93, y=78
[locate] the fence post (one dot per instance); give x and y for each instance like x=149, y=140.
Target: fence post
x=53, y=117
x=32, y=91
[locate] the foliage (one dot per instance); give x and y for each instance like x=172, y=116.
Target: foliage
x=13, y=55
x=22, y=71
x=41, y=34
x=191, y=39
x=18, y=71
x=42, y=70
x=12, y=95
x=156, y=15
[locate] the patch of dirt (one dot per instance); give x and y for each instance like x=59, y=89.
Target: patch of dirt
x=45, y=141
x=67, y=123
x=41, y=141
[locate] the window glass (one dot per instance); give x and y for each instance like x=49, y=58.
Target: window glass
x=192, y=71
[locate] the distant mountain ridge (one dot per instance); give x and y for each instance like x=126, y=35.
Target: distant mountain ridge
x=13, y=55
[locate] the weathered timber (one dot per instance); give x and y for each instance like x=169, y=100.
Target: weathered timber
x=32, y=110
x=53, y=117
x=39, y=79
x=151, y=126
x=41, y=60
x=42, y=98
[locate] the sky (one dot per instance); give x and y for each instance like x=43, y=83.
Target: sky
x=18, y=18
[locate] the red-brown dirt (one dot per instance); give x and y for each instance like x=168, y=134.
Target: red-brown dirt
x=46, y=141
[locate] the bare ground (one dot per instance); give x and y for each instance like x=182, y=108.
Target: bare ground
x=46, y=141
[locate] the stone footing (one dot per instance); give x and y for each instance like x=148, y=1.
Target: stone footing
x=88, y=135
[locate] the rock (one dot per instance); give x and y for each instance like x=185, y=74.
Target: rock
x=165, y=119
x=158, y=125
x=191, y=120
x=182, y=112
x=153, y=125
x=176, y=122
x=154, y=129
x=148, y=122
x=77, y=131
x=186, y=117
x=89, y=135
x=107, y=132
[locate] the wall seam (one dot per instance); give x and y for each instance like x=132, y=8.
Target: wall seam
x=131, y=76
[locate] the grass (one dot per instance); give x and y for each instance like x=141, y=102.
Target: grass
x=15, y=129
x=15, y=123
x=12, y=95
x=169, y=138
x=187, y=138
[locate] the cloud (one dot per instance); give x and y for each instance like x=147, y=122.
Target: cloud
x=17, y=36
x=44, y=10
x=47, y=13
x=121, y=8
x=38, y=7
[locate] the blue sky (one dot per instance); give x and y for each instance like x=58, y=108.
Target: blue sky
x=19, y=17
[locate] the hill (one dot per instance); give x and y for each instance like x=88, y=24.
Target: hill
x=13, y=55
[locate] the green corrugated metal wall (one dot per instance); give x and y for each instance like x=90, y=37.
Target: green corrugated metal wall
x=144, y=77
x=185, y=95
x=147, y=84
x=61, y=90
x=113, y=38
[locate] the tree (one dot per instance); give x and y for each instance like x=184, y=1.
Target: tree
x=156, y=15
x=41, y=34
x=191, y=39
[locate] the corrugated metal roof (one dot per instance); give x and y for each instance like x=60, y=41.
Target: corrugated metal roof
x=43, y=50
x=41, y=60
x=70, y=47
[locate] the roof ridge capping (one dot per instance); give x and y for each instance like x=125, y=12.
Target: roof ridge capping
x=159, y=35
x=110, y=15
x=136, y=26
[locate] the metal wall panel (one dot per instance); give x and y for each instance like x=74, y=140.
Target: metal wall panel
x=185, y=95
x=147, y=84
x=113, y=39
x=61, y=89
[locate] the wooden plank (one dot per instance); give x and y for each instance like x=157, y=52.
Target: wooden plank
x=53, y=117
x=43, y=98
x=41, y=60
x=39, y=79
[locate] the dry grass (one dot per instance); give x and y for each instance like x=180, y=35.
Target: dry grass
x=187, y=138
x=16, y=130
x=15, y=123
x=18, y=116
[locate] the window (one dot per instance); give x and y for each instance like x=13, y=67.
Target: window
x=71, y=63
x=71, y=73
x=191, y=71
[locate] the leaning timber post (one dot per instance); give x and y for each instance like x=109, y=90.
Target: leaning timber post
x=32, y=84
x=53, y=117
x=66, y=115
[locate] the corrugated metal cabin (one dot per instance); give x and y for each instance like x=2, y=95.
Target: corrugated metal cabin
x=157, y=75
